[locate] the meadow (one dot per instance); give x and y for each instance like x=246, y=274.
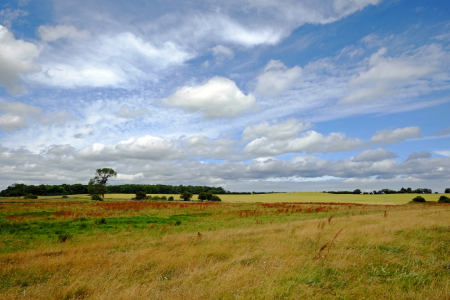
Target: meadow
x=272, y=246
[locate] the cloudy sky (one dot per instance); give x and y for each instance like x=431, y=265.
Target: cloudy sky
x=251, y=95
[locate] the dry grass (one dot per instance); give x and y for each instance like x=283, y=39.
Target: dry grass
x=402, y=256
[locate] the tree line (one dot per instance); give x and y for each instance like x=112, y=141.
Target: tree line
x=388, y=191
x=20, y=189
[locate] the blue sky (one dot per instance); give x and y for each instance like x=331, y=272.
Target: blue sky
x=248, y=95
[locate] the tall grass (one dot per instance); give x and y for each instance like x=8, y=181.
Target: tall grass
x=403, y=256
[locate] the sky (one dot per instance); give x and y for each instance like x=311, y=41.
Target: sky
x=250, y=95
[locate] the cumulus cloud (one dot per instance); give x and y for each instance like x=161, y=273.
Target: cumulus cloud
x=309, y=142
x=280, y=131
x=219, y=149
x=386, y=75
x=221, y=52
x=16, y=115
x=216, y=98
x=16, y=59
x=374, y=155
x=421, y=154
x=276, y=79
x=147, y=147
x=60, y=150
x=127, y=113
x=389, y=136
x=52, y=33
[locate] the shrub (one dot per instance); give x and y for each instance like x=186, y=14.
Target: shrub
x=215, y=198
x=170, y=198
x=64, y=197
x=163, y=198
x=155, y=198
x=444, y=199
x=140, y=195
x=30, y=196
x=96, y=197
x=419, y=199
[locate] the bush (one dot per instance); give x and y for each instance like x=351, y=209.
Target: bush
x=444, y=199
x=96, y=197
x=215, y=198
x=419, y=199
x=30, y=196
x=140, y=195
x=170, y=198
x=447, y=191
x=64, y=197
x=155, y=198
x=163, y=198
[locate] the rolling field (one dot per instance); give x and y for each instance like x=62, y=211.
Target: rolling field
x=269, y=198
x=118, y=249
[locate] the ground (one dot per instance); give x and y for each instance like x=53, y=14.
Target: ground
x=122, y=249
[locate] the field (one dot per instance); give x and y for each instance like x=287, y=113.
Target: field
x=277, y=197
x=247, y=247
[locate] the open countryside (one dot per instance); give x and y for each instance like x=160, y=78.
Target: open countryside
x=269, y=246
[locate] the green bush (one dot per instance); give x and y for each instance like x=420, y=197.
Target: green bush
x=64, y=197
x=30, y=196
x=163, y=198
x=215, y=198
x=170, y=198
x=444, y=199
x=419, y=199
x=96, y=197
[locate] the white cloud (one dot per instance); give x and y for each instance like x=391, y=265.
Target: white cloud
x=127, y=113
x=444, y=132
x=216, y=98
x=16, y=59
x=8, y=15
x=60, y=150
x=443, y=152
x=16, y=115
x=219, y=149
x=147, y=147
x=389, y=136
x=52, y=33
x=374, y=155
x=221, y=52
x=280, y=131
x=385, y=76
x=309, y=142
x=276, y=79
x=110, y=60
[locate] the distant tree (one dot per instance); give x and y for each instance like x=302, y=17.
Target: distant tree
x=202, y=196
x=186, y=196
x=419, y=199
x=357, y=191
x=30, y=196
x=444, y=199
x=170, y=198
x=141, y=195
x=447, y=191
x=97, y=185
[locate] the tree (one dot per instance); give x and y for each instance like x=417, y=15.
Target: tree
x=357, y=191
x=97, y=185
x=447, y=191
x=186, y=196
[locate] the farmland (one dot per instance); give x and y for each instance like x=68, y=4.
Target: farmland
x=272, y=246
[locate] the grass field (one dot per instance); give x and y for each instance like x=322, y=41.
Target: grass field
x=237, y=249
